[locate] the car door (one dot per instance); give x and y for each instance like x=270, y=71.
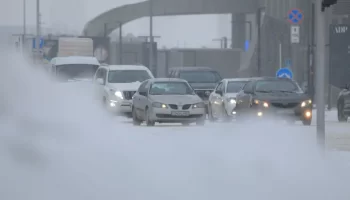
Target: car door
x=100, y=88
x=217, y=99
x=140, y=98
x=244, y=97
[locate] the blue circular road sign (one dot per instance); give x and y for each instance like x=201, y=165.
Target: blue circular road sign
x=295, y=16
x=284, y=73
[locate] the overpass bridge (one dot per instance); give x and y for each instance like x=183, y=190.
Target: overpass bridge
x=275, y=30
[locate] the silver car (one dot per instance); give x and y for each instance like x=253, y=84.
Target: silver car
x=222, y=101
x=167, y=100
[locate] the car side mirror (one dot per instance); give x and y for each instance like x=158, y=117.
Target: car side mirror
x=218, y=92
x=143, y=94
x=100, y=81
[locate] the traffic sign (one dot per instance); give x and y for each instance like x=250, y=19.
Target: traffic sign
x=295, y=16
x=41, y=44
x=295, y=34
x=284, y=73
x=287, y=63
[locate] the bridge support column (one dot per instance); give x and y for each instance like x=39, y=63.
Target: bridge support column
x=238, y=30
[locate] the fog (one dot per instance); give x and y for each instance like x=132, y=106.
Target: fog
x=57, y=143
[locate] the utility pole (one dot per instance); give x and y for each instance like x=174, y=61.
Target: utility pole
x=320, y=18
x=151, y=56
x=24, y=25
x=258, y=19
x=37, y=40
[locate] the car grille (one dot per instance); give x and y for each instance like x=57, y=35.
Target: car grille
x=186, y=106
x=204, y=94
x=285, y=105
x=173, y=106
x=128, y=94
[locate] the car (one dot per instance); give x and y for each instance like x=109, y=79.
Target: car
x=222, y=101
x=116, y=84
x=167, y=100
x=343, y=104
x=277, y=98
x=202, y=79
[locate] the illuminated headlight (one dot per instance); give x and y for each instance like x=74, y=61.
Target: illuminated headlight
x=199, y=105
x=119, y=94
x=305, y=103
x=264, y=104
x=232, y=101
x=159, y=105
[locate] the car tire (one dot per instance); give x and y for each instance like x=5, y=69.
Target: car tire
x=135, y=119
x=306, y=122
x=210, y=114
x=341, y=116
x=148, y=121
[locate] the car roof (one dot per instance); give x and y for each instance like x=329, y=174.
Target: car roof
x=237, y=79
x=75, y=60
x=167, y=80
x=197, y=68
x=126, y=67
x=271, y=78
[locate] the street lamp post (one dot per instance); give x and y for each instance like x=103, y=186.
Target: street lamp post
x=259, y=23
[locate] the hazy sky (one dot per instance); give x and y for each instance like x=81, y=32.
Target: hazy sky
x=71, y=15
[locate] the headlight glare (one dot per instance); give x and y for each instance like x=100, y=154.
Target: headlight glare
x=159, y=105
x=199, y=105
x=119, y=94
x=232, y=101
x=305, y=103
x=266, y=105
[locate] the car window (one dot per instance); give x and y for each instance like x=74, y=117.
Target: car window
x=248, y=87
x=218, y=86
x=171, y=88
x=74, y=72
x=128, y=76
x=200, y=76
x=142, y=87
x=235, y=86
x=277, y=85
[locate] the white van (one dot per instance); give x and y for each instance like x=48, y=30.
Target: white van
x=73, y=68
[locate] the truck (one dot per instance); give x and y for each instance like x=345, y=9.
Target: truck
x=75, y=47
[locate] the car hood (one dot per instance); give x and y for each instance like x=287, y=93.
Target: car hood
x=176, y=99
x=203, y=86
x=282, y=97
x=125, y=86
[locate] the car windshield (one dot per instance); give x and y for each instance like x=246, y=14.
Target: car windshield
x=128, y=76
x=171, y=88
x=200, y=76
x=235, y=86
x=277, y=86
x=75, y=72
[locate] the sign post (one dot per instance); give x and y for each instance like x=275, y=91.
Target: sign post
x=295, y=17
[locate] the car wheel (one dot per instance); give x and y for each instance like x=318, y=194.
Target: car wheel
x=135, y=120
x=200, y=122
x=210, y=114
x=341, y=116
x=306, y=122
x=148, y=121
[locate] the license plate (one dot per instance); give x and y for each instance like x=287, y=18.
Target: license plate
x=286, y=111
x=180, y=113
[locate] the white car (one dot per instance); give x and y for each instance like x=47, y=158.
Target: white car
x=167, y=100
x=116, y=85
x=222, y=101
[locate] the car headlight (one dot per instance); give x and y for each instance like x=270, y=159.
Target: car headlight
x=199, y=105
x=232, y=101
x=119, y=94
x=305, y=103
x=159, y=105
x=263, y=103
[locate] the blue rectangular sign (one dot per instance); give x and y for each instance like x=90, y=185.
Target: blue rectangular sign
x=41, y=44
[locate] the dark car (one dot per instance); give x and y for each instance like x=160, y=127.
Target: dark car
x=275, y=98
x=343, y=104
x=202, y=79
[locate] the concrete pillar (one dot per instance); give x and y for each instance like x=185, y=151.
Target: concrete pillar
x=238, y=30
